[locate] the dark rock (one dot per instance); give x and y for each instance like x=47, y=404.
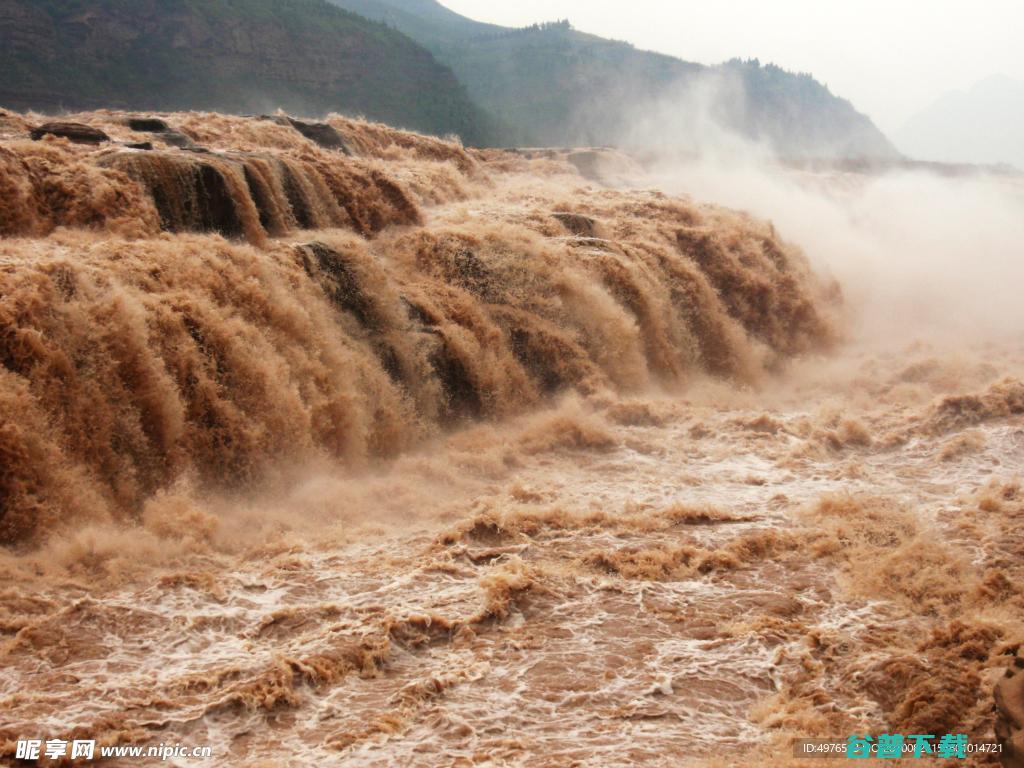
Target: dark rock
x=321, y=134
x=148, y=125
x=578, y=224
x=78, y=133
x=279, y=119
x=175, y=139
x=147, y=145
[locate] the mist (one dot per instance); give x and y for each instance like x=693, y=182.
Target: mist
x=930, y=253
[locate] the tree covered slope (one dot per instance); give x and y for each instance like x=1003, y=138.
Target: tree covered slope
x=551, y=84
x=305, y=56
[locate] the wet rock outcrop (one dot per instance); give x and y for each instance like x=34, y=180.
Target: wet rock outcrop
x=135, y=352
x=78, y=133
x=266, y=181
x=148, y=124
x=252, y=195
x=321, y=134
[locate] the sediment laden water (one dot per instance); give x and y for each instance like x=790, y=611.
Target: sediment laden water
x=377, y=451
x=131, y=362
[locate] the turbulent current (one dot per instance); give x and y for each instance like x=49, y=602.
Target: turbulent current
x=334, y=444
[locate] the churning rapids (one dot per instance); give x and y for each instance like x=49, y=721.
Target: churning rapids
x=335, y=444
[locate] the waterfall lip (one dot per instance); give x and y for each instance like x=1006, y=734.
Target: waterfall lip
x=352, y=326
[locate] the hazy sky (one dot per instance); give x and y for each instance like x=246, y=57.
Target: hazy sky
x=891, y=58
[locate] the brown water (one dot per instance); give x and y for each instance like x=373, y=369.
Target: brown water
x=495, y=466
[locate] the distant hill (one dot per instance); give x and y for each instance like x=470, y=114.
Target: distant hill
x=982, y=125
x=553, y=85
x=305, y=56
x=427, y=21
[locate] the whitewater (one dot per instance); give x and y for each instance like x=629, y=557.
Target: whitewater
x=333, y=443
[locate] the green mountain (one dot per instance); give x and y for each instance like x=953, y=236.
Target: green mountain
x=305, y=56
x=553, y=85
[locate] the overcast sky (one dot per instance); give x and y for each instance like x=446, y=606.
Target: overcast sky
x=891, y=58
